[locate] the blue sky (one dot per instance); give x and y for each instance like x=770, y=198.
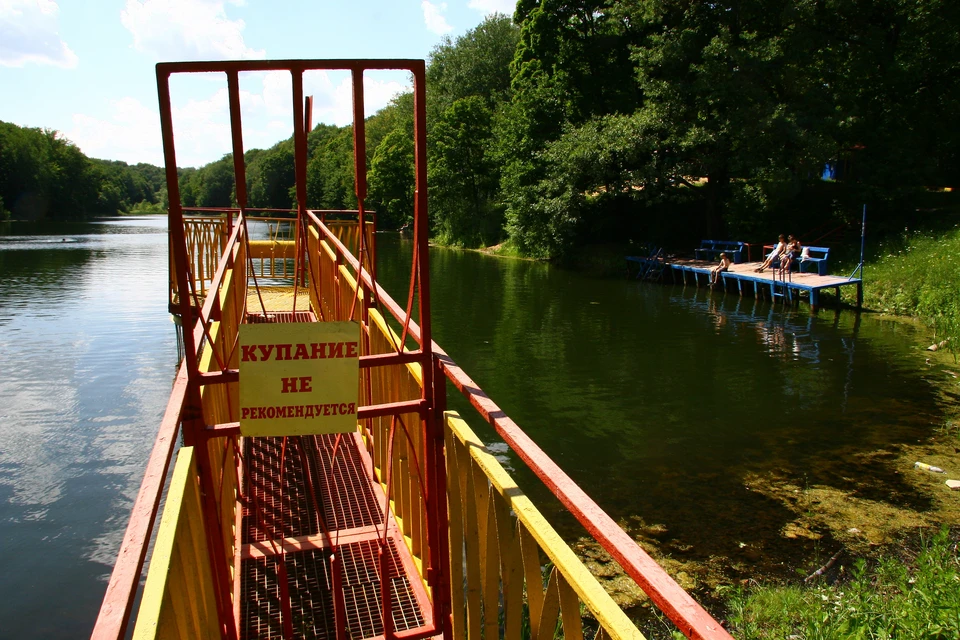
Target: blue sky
x=86, y=67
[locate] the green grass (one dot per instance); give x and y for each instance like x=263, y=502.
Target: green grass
x=146, y=208
x=891, y=599
x=919, y=276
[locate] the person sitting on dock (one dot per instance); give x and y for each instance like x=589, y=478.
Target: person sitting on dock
x=724, y=265
x=791, y=253
x=773, y=255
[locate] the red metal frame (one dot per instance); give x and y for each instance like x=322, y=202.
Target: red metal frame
x=185, y=407
x=437, y=368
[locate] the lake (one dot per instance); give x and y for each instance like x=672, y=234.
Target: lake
x=660, y=401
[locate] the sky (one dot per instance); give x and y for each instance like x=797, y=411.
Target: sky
x=86, y=67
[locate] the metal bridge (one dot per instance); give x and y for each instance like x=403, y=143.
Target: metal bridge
x=405, y=527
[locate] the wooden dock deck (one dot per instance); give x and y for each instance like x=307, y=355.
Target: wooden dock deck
x=743, y=278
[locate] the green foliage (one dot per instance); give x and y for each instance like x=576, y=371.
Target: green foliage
x=124, y=187
x=571, y=66
x=463, y=177
x=391, y=179
x=476, y=64
x=330, y=171
x=919, y=277
x=43, y=175
x=891, y=600
x=269, y=176
x=748, y=99
x=147, y=208
x=213, y=183
x=468, y=82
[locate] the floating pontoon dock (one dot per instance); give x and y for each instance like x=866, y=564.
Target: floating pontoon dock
x=744, y=278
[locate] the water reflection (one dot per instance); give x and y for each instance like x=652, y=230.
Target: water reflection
x=659, y=401
x=91, y=353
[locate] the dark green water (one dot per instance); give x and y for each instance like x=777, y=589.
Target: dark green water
x=657, y=400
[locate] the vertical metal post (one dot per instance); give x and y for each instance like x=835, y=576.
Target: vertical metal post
x=178, y=241
x=192, y=417
x=360, y=166
x=441, y=576
x=308, y=114
x=236, y=133
x=863, y=237
x=300, y=170
x=432, y=375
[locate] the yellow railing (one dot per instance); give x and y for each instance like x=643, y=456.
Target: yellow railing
x=497, y=538
x=498, y=541
x=383, y=385
x=206, y=237
x=271, y=258
x=178, y=597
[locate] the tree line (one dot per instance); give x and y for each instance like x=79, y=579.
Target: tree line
x=596, y=121
x=625, y=114
x=43, y=175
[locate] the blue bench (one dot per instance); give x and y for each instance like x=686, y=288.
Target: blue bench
x=711, y=250
x=815, y=256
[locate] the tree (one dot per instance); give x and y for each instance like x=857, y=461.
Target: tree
x=213, y=183
x=462, y=176
x=330, y=172
x=571, y=65
x=270, y=176
x=476, y=64
x=468, y=82
x=391, y=179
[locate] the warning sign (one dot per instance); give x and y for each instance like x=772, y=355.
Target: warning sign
x=299, y=378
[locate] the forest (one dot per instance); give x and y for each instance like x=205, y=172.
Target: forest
x=43, y=175
x=581, y=123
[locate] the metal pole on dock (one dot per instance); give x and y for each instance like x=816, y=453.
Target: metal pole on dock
x=863, y=235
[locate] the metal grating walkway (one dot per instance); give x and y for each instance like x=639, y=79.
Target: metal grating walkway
x=326, y=497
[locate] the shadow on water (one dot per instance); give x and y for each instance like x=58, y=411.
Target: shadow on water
x=667, y=404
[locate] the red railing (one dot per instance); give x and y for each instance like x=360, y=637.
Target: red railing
x=184, y=407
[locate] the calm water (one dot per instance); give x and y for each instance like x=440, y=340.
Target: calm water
x=658, y=400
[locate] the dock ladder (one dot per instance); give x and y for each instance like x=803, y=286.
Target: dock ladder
x=652, y=265
x=779, y=287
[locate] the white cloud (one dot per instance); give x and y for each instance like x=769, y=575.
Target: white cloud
x=131, y=134
x=486, y=7
x=433, y=17
x=131, y=131
x=186, y=30
x=332, y=97
x=334, y=104
x=28, y=33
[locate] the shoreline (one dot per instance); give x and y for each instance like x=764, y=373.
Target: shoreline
x=842, y=524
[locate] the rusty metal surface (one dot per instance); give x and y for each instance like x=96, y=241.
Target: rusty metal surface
x=283, y=523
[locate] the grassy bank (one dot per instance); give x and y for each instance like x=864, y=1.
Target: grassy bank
x=909, y=589
x=913, y=594
x=918, y=275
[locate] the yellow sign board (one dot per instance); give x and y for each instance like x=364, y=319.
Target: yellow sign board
x=299, y=378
